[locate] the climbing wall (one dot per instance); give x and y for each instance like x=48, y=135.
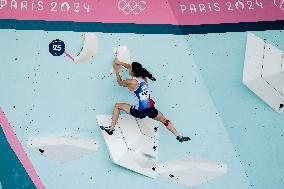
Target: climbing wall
x=199, y=88
x=255, y=129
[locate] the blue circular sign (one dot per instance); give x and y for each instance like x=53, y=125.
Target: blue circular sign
x=57, y=47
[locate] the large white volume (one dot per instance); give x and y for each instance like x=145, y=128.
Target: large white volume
x=192, y=172
x=134, y=143
x=122, y=54
x=62, y=148
x=264, y=71
x=89, y=49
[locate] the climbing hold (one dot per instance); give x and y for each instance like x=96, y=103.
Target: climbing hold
x=263, y=71
x=62, y=148
x=192, y=172
x=131, y=145
x=89, y=49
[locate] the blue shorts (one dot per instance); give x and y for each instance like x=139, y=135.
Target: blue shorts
x=151, y=112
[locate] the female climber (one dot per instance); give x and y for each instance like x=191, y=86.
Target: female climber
x=139, y=87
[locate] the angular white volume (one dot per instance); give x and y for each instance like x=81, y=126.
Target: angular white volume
x=134, y=143
x=89, y=49
x=263, y=71
x=122, y=54
x=192, y=172
x=62, y=148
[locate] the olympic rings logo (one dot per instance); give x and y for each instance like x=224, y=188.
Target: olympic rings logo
x=279, y=3
x=131, y=6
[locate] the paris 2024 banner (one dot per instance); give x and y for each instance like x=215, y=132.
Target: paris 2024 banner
x=141, y=94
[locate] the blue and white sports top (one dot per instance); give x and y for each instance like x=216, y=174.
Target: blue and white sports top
x=142, y=94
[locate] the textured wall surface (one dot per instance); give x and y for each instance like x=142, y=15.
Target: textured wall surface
x=255, y=129
x=198, y=88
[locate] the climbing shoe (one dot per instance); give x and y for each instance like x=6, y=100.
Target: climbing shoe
x=182, y=139
x=107, y=130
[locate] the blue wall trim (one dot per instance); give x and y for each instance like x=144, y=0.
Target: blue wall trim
x=139, y=28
